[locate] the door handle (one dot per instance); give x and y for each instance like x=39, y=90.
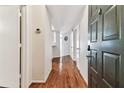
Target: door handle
x=88, y=48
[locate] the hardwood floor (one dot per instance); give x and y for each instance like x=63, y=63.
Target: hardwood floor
x=64, y=74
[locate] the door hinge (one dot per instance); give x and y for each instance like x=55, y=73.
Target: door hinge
x=20, y=80
x=19, y=12
x=20, y=45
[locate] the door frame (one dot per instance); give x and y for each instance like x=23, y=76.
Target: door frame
x=75, y=33
x=26, y=62
x=72, y=44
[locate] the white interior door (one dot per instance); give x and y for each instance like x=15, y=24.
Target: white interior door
x=9, y=46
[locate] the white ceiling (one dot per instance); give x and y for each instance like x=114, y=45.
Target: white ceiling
x=65, y=17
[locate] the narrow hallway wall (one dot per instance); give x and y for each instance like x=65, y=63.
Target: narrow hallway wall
x=41, y=44
x=83, y=64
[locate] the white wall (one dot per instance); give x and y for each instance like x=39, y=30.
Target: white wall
x=83, y=64
x=56, y=48
x=41, y=44
x=48, y=42
x=37, y=45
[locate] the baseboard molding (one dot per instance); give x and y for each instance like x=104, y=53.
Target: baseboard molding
x=42, y=81
x=66, y=56
x=85, y=81
x=29, y=84
x=38, y=81
x=75, y=62
x=56, y=59
x=47, y=76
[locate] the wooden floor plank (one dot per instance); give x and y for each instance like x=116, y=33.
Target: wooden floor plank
x=64, y=74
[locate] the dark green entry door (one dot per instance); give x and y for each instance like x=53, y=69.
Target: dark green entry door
x=106, y=46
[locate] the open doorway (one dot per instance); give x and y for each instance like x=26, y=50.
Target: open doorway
x=74, y=44
x=77, y=45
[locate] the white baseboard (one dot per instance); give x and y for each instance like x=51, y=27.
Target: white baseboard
x=29, y=84
x=42, y=81
x=86, y=81
x=55, y=57
x=48, y=75
x=38, y=81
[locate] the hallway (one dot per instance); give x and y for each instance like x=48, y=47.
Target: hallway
x=62, y=46
x=63, y=75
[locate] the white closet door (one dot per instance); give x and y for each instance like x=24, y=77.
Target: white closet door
x=9, y=46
